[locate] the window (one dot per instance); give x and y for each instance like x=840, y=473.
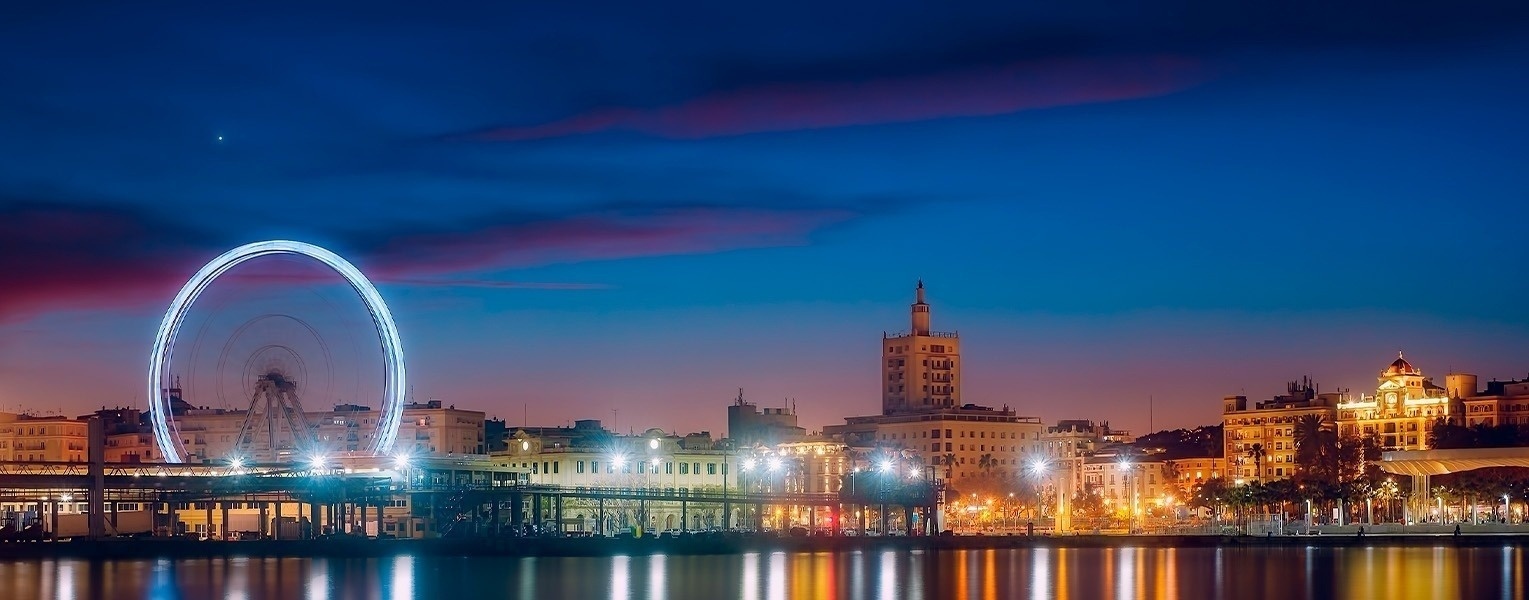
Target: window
x=579, y=466
x=695, y=468
x=555, y=465
x=711, y=468
x=668, y=468
x=684, y=468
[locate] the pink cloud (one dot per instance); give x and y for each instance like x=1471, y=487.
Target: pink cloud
x=81, y=258
x=972, y=93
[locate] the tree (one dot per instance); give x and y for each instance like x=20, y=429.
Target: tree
x=950, y=466
x=986, y=463
x=1256, y=452
x=1317, y=450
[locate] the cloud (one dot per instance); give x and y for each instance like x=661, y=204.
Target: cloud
x=88, y=257
x=976, y=92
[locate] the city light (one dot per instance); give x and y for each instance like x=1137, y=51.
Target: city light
x=394, y=385
x=748, y=464
x=317, y=462
x=236, y=463
x=618, y=460
x=774, y=463
x=653, y=444
x=1038, y=467
x=401, y=462
x=886, y=466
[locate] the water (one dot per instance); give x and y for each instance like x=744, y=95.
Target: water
x=1363, y=572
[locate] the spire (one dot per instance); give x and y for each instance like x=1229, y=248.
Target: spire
x=920, y=310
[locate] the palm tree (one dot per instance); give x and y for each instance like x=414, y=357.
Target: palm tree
x=1256, y=452
x=986, y=463
x=950, y=466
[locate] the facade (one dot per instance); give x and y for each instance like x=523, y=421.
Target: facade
x=920, y=369
x=1137, y=483
x=427, y=429
x=1502, y=403
x=1071, y=438
x=1405, y=406
x=587, y=455
x=43, y=439
x=1263, y=434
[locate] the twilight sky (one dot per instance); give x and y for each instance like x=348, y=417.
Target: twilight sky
x=574, y=208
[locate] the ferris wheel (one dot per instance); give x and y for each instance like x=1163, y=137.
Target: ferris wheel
x=275, y=405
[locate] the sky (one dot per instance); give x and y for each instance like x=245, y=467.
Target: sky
x=628, y=211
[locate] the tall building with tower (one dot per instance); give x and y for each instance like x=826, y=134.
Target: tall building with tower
x=922, y=411
x=920, y=368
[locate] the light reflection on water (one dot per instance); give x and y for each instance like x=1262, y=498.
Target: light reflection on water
x=1229, y=572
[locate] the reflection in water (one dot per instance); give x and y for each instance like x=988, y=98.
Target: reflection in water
x=750, y=579
x=1444, y=572
x=403, y=578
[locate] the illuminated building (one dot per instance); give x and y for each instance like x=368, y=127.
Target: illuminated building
x=1502, y=403
x=43, y=439
x=1263, y=434
x=920, y=369
x=922, y=411
x=209, y=434
x=588, y=455
x=1405, y=406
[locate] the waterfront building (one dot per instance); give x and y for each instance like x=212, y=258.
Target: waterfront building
x=1406, y=404
x=210, y=434
x=589, y=456
x=1129, y=483
x=922, y=412
x=32, y=438
x=1262, y=435
x=920, y=368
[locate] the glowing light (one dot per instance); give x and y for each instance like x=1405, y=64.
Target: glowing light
x=774, y=463
x=168, y=438
x=655, y=465
x=401, y=462
x=236, y=463
x=1038, y=467
x=525, y=446
x=617, y=460
x=653, y=444
x=748, y=464
x=318, y=462
x=66, y=497
x=886, y=466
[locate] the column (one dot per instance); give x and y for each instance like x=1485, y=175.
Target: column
x=223, y=527
x=276, y=527
x=263, y=527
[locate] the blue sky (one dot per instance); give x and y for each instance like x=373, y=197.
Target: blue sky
x=574, y=210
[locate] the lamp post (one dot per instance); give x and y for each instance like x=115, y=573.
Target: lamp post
x=1038, y=469
x=1125, y=466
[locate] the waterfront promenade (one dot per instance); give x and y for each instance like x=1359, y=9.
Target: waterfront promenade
x=703, y=544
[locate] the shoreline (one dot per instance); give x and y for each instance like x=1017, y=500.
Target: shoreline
x=585, y=547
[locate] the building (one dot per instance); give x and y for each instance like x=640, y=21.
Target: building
x=1502, y=403
x=1263, y=434
x=748, y=425
x=1405, y=406
x=1135, y=482
x=920, y=369
x=43, y=439
x=1071, y=438
x=587, y=455
x=922, y=413
x=210, y=434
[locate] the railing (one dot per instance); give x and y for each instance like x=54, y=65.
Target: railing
x=933, y=334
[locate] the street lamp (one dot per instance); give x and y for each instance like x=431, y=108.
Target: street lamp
x=1125, y=466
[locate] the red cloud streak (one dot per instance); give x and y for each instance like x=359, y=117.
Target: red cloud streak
x=57, y=259
x=973, y=93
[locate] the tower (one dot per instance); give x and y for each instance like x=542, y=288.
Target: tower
x=921, y=369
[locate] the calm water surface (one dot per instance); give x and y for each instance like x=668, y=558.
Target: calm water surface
x=1391, y=573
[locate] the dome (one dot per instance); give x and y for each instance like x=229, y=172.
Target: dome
x=1400, y=366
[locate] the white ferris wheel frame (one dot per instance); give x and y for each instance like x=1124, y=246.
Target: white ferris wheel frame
x=166, y=433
